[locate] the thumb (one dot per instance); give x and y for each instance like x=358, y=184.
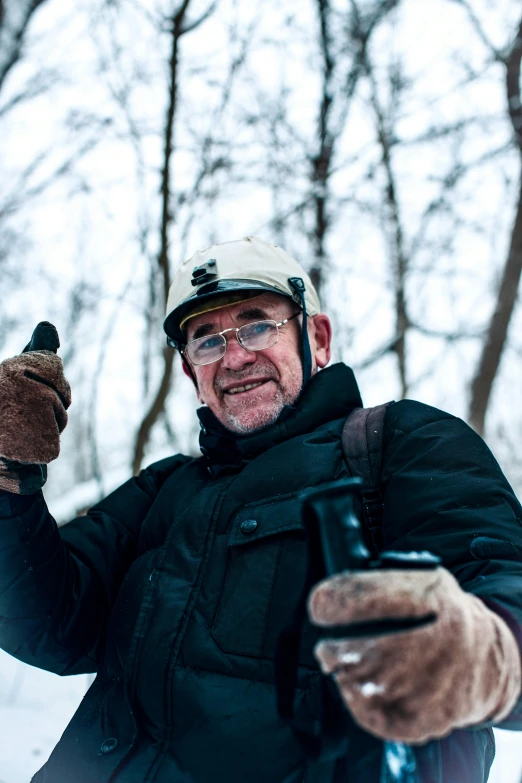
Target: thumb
x=44, y=338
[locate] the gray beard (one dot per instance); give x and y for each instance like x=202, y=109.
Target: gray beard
x=234, y=424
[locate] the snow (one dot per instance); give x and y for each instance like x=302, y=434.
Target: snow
x=84, y=495
x=350, y=657
x=507, y=767
x=399, y=759
x=35, y=708
x=371, y=689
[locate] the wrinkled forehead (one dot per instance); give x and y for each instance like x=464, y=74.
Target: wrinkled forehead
x=268, y=302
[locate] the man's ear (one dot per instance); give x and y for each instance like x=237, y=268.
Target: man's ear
x=320, y=333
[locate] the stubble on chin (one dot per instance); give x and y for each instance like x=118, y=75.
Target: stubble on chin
x=252, y=418
x=256, y=413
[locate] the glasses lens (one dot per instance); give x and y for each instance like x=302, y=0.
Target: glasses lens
x=206, y=350
x=259, y=335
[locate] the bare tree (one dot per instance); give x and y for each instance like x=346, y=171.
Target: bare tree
x=14, y=22
x=342, y=64
x=407, y=239
x=497, y=331
x=322, y=160
x=179, y=24
x=391, y=210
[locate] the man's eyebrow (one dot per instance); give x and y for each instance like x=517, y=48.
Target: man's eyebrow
x=253, y=312
x=247, y=314
x=202, y=330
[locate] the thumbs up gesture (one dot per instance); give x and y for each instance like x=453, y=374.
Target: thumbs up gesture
x=34, y=397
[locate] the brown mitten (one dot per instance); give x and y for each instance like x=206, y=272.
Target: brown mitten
x=34, y=397
x=461, y=670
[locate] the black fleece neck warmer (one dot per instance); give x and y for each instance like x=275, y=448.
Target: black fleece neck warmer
x=329, y=395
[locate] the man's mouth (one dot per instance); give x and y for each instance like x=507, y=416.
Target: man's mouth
x=245, y=387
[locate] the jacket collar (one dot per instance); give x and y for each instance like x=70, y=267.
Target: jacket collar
x=329, y=395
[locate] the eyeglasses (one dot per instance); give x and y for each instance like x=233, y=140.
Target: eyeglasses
x=252, y=337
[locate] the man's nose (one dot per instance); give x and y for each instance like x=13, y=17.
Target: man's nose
x=236, y=356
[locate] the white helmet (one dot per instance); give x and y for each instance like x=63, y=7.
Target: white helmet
x=246, y=265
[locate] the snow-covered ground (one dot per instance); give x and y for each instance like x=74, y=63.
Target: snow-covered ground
x=36, y=706
x=507, y=767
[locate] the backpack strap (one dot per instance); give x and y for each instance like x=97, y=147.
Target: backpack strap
x=362, y=444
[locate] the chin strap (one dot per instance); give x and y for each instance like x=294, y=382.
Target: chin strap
x=298, y=287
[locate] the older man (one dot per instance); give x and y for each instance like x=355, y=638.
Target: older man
x=177, y=587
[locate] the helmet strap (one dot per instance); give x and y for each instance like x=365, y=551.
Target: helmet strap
x=298, y=287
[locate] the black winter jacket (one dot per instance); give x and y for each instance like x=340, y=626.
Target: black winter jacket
x=175, y=588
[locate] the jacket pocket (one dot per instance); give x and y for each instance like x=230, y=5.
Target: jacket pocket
x=266, y=571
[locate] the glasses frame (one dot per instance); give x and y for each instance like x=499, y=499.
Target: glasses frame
x=237, y=329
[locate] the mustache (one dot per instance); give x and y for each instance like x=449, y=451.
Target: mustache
x=242, y=376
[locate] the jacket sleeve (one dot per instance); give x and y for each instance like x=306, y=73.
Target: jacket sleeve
x=445, y=492
x=58, y=585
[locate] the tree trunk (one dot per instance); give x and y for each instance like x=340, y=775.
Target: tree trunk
x=158, y=404
x=497, y=332
x=498, y=328
x=321, y=162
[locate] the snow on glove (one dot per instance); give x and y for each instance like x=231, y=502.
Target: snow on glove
x=460, y=670
x=34, y=397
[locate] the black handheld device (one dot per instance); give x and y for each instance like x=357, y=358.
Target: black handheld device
x=330, y=509
x=331, y=521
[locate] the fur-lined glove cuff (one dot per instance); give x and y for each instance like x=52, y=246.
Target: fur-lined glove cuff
x=21, y=479
x=460, y=670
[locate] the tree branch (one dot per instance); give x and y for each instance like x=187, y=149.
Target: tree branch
x=188, y=27
x=15, y=16
x=388, y=347
x=475, y=21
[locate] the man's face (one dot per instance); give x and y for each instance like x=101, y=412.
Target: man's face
x=276, y=371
